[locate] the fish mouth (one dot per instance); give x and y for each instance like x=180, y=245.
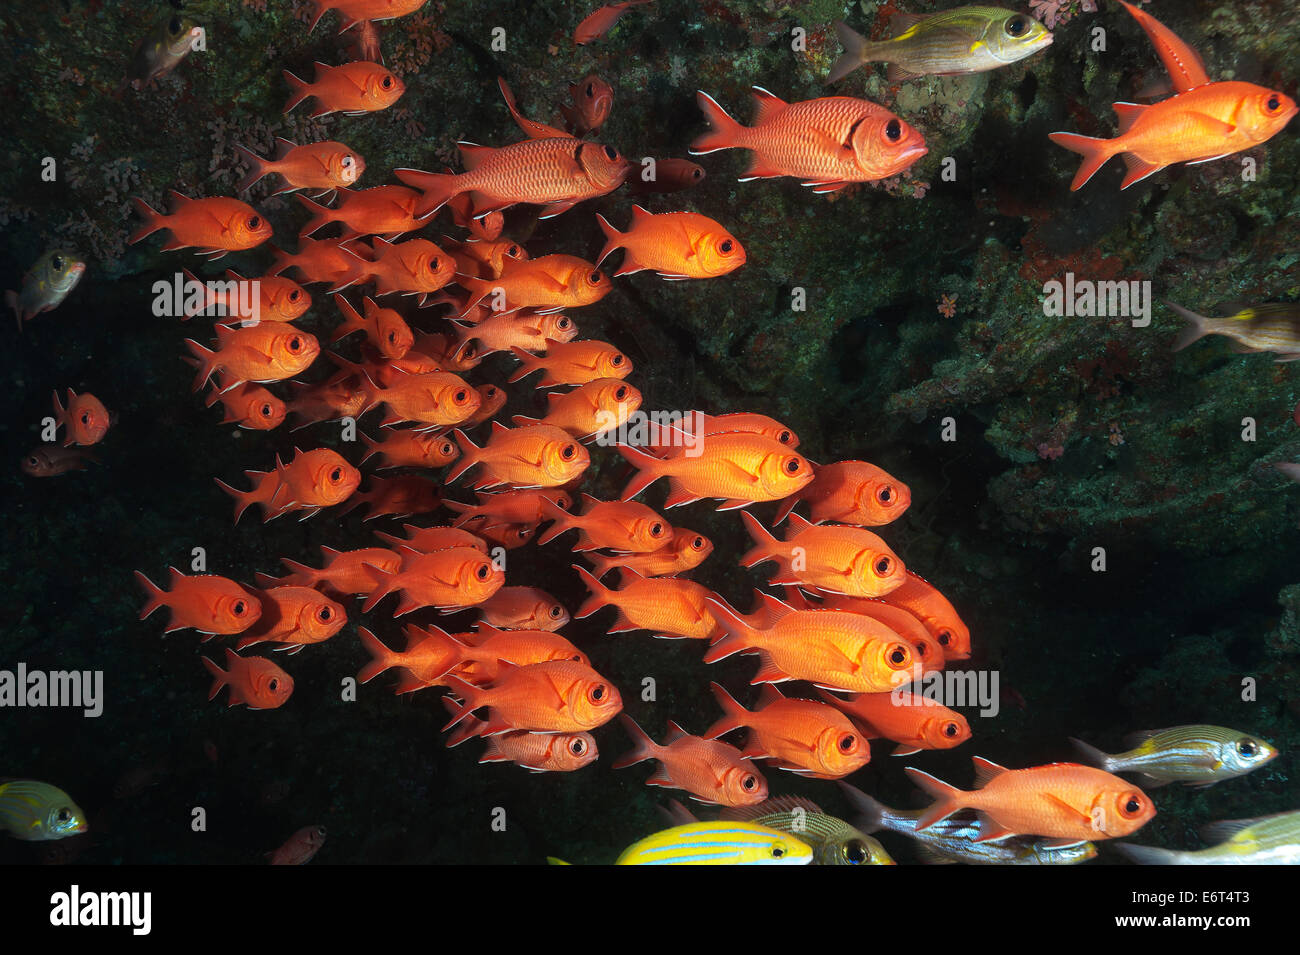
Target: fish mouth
x=913, y=153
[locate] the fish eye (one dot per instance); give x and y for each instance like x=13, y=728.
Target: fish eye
x=1274, y=103
x=265, y=410
x=944, y=638
x=255, y=222
x=57, y=262
x=470, y=351
x=784, y=437
x=778, y=851
x=324, y=614
x=885, y=494
x=448, y=448
x=85, y=417
x=620, y=393
x=433, y=264
x=348, y=162
x=387, y=82
x=274, y=684
x=1017, y=26
x=461, y=396
x=898, y=656
x=595, y=278
x=792, y=465
x=239, y=608
x=597, y=693
x=568, y=452
x=950, y=729
x=617, y=359
x=656, y=529
x=697, y=173
x=513, y=251
x=893, y=130
x=611, y=153
x=855, y=853
x=336, y=475
x=727, y=246
x=64, y=815
x=555, y=610
x=295, y=344
x=320, y=831
x=392, y=338
x=883, y=566
x=563, y=323
x=576, y=658
x=847, y=742
x=698, y=543
x=490, y=391
x=591, y=90
x=33, y=460
x=482, y=572
x=578, y=746
x=295, y=295
x=1247, y=748
x=1132, y=806
x=749, y=783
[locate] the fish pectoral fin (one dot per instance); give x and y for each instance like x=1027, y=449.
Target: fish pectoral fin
x=1085, y=816
x=1210, y=126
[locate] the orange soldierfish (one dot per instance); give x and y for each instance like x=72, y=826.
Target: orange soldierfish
x=510, y=507
x=252, y=680
x=710, y=771
x=833, y=649
x=484, y=228
x=399, y=496
x=827, y=142
x=345, y=395
x=85, y=416
x=452, y=577
x=929, y=652
x=294, y=616
x=593, y=99
x=406, y=448
x=267, y=351
x=801, y=736
x=590, y=410
x=672, y=607
x=381, y=210
x=623, y=526
x=913, y=721
x=52, y=461
x=354, y=12
x=556, y=173
x=484, y=259
x=738, y=467
x=321, y=260
x=599, y=22
x=752, y=423
x=524, y=608
x=509, y=536
x=206, y=602
x=249, y=406
x=352, y=88
x=344, y=573
x=424, y=660
x=666, y=175
x=491, y=400
x=435, y=399
x=302, y=846
x=478, y=656
x=573, y=363
x=277, y=299
x=850, y=492
x=429, y=539
x=311, y=481
x=383, y=327
x=923, y=601
x=535, y=752
x=675, y=245
x=323, y=166
x=536, y=456
x=1064, y=802
x=560, y=696
x=506, y=331
x=214, y=226
x=833, y=558
x=546, y=284
x=686, y=551
x=415, y=266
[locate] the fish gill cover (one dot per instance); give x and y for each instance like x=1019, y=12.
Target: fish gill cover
x=521, y=334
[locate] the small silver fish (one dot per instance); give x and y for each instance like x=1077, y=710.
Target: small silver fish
x=46, y=284
x=833, y=841
x=1194, y=755
x=160, y=51
x=1266, y=840
x=954, y=839
x=1272, y=327
x=34, y=811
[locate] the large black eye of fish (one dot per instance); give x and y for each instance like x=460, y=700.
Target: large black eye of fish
x=1017, y=26
x=1133, y=806
x=597, y=693
x=239, y=608
x=1274, y=103
x=944, y=638
x=255, y=222
x=556, y=611
x=461, y=395
x=855, y=852
x=448, y=448
x=595, y=278
x=778, y=852
x=950, y=729
x=265, y=410
x=616, y=360
x=611, y=153
x=387, y=82
x=1247, y=748
x=784, y=437
x=295, y=295
x=884, y=494
x=568, y=451
x=433, y=264
x=727, y=246
x=325, y=614
x=893, y=130
x=898, y=657
x=483, y=571
x=85, y=417
x=792, y=465
x=697, y=543
x=57, y=262
x=620, y=393
x=749, y=783
x=295, y=344
x=320, y=831
x=563, y=323
x=697, y=173
x=348, y=162
x=847, y=742
x=336, y=475
x=591, y=90
x=64, y=814
x=273, y=685
x=513, y=251
x=883, y=566
x=578, y=746
x=656, y=529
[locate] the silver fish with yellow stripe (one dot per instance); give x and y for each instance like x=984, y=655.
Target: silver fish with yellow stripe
x=954, y=839
x=833, y=841
x=1272, y=327
x=961, y=40
x=35, y=812
x=46, y=284
x=1199, y=755
x=1266, y=840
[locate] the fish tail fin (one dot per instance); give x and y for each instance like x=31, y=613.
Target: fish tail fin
x=352, y=320
x=469, y=452
x=220, y=677
x=153, y=220
x=947, y=799
x=1092, y=755
x=157, y=596
x=857, y=51
x=647, y=466
x=737, y=630
x=372, y=446
x=256, y=167
x=553, y=512
x=528, y=363
x=381, y=657
x=763, y=541
x=871, y=812
x=723, y=130
x=243, y=499
x=206, y=360
x=599, y=593
x=613, y=238
x=283, y=260
x=299, y=89
x=1197, y=326
x=470, y=696
x=734, y=716
x=439, y=188
x=385, y=584
x=643, y=747
x=320, y=216
x=601, y=565
x=785, y=507
x=1095, y=152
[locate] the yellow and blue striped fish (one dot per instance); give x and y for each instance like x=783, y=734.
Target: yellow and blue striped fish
x=718, y=843
x=35, y=811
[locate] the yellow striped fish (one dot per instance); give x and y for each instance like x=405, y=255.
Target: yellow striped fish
x=960, y=40
x=1267, y=840
x=1272, y=327
x=38, y=811
x=1195, y=755
x=718, y=843
x=833, y=841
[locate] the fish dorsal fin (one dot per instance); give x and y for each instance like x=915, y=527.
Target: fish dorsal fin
x=675, y=732
x=767, y=695
x=640, y=214
x=1136, y=739
x=498, y=427
x=767, y=106
x=1126, y=113
x=798, y=524
x=471, y=154
x=282, y=147
x=901, y=23
x=985, y=771
x=1226, y=829
x=776, y=605
x=590, y=500
x=768, y=807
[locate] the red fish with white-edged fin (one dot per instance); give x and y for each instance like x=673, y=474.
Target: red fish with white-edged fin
x=712, y=772
x=739, y=468
x=214, y=226
x=535, y=752
x=535, y=456
x=313, y=480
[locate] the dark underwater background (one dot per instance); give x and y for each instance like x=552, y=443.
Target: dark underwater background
x=1072, y=433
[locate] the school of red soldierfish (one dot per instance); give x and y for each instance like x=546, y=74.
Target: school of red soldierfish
x=853, y=621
